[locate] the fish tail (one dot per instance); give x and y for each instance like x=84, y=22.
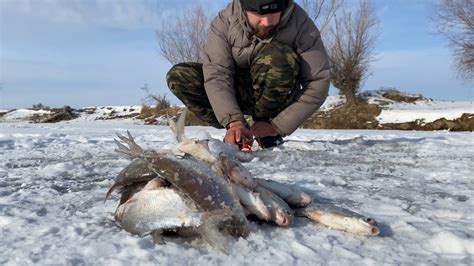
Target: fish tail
x=210, y=229
x=133, y=150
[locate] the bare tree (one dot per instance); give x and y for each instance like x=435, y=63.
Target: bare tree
x=182, y=39
x=322, y=12
x=455, y=21
x=351, y=48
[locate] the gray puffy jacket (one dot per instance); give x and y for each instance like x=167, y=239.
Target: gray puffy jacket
x=231, y=44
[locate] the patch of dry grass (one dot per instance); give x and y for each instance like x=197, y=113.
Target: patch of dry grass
x=151, y=114
x=359, y=116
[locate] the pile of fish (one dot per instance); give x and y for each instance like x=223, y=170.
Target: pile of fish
x=200, y=186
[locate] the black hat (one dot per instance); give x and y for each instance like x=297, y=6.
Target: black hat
x=263, y=7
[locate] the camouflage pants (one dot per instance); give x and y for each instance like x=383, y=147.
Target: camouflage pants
x=262, y=91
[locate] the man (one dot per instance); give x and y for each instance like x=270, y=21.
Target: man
x=264, y=58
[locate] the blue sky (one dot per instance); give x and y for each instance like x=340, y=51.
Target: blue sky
x=101, y=52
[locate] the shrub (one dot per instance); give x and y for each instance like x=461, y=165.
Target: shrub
x=40, y=106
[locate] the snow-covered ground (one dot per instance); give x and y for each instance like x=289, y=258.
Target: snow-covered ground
x=427, y=110
x=88, y=114
x=417, y=185
x=393, y=112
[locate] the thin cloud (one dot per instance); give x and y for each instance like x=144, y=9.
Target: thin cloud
x=103, y=13
x=106, y=13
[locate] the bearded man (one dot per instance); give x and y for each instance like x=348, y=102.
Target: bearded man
x=264, y=58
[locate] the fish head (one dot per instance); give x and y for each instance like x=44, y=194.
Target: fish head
x=198, y=149
x=217, y=147
x=283, y=218
x=370, y=225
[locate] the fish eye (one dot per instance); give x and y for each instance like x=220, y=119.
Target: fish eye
x=369, y=220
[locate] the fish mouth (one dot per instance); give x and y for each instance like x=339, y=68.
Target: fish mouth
x=374, y=231
x=372, y=225
x=283, y=219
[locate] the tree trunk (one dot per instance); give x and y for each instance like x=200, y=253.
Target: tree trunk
x=351, y=99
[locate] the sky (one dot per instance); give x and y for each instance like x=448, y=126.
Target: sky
x=102, y=52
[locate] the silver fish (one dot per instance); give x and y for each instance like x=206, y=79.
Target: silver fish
x=252, y=202
x=156, y=209
x=219, y=147
x=291, y=194
x=340, y=219
x=206, y=149
x=281, y=213
x=136, y=172
x=236, y=172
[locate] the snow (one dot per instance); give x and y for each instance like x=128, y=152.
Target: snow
x=103, y=112
x=332, y=102
x=22, y=114
x=393, y=112
x=417, y=185
x=426, y=110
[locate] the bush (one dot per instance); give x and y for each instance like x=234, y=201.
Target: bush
x=159, y=101
x=397, y=96
x=40, y=106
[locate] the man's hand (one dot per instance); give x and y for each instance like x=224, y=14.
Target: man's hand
x=236, y=132
x=266, y=135
x=263, y=129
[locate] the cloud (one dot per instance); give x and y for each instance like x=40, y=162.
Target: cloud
x=107, y=13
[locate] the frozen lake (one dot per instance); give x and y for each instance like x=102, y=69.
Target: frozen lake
x=417, y=185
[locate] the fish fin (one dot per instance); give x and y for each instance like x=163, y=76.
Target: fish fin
x=157, y=237
x=112, y=189
x=178, y=126
x=209, y=230
x=172, y=125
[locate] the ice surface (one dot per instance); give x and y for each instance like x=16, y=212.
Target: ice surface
x=417, y=185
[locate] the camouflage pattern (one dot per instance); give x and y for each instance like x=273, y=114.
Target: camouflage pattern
x=262, y=91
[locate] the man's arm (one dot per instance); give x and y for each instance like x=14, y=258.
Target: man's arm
x=218, y=71
x=315, y=79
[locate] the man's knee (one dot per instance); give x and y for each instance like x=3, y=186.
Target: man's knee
x=184, y=74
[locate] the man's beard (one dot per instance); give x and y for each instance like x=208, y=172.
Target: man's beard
x=263, y=32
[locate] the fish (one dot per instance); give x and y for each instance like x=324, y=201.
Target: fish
x=340, y=219
x=136, y=172
x=195, y=180
x=156, y=208
x=232, y=151
x=201, y=185
x=290, y=194
x=207, y=148
x=236, y=172
x=280, y=212
x=252, y=202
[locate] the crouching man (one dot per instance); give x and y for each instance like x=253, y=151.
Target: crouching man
x=264, y=58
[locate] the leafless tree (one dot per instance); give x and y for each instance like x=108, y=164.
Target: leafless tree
x=351, y=48
x=182, y=39
x=455, y=21
x=322, y=12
